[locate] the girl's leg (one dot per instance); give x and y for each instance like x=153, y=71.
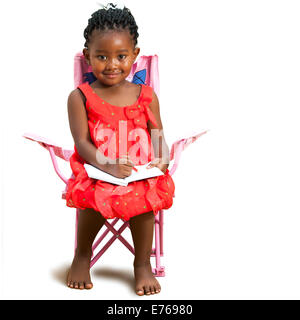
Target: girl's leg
x=141, y=227
x=89, y=224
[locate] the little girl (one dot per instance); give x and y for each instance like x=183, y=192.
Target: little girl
x=98, y=113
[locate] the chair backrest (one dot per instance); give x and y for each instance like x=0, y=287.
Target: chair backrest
x=143, y=71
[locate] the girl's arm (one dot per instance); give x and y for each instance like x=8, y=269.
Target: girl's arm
x=161, y=149
x=87, y=150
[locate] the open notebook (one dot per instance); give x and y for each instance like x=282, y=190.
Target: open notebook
x=143, y=173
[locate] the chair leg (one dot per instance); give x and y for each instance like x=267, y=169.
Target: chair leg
x=161, y=231
x=161, y=234
x=121, y=238
x=97, y=242
x=157, y=252
x=159, y=271
x=116, y=235
x=76, y=227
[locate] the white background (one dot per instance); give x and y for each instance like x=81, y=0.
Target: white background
x=229, y=66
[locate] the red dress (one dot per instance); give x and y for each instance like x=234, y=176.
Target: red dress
x=105, y=124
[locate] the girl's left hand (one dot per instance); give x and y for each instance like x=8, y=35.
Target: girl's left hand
x=160, y=164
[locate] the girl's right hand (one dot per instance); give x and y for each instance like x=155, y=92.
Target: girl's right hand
x=122, y=168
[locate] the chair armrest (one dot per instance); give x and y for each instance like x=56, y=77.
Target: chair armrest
x=54, y=151
x=178, y=146
x=176, y=151
x=64, y=154
x=55, y=165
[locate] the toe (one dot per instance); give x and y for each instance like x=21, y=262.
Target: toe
x=88, y=285
x=152, y=289
x=71, y=284
x=76, y=285
x=81, y=285
x=140, y=292
x=147, y=290
x=157, y=288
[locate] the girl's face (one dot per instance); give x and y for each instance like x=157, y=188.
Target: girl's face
x=111, y=55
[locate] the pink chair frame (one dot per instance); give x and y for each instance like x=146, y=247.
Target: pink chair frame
x=158, y=250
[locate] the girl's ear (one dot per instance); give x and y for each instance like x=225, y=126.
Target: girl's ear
x=86, y=55
x=136, y=52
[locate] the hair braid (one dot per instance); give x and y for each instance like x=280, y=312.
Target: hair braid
x=113, y=19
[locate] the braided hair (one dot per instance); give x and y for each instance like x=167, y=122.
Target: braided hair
x=113, y=19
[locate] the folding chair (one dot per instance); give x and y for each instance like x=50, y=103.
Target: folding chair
x=145, y=71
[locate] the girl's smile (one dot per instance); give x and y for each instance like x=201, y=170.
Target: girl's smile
x=111, y=55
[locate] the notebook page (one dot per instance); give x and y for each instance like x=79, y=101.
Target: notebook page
x=98, y=174
x=143, y=173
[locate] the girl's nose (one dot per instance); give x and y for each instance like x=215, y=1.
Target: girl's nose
x=112, y=64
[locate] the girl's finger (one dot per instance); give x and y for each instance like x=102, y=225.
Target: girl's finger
x=126, y=160
x=129, y=162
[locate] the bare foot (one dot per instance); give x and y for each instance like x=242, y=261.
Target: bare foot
x=145, y=281
x=79, y=273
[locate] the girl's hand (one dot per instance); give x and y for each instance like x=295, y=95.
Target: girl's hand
x=160, y=163
x=122, y=168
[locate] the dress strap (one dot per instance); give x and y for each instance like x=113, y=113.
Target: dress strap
x=86, y=90
x=147, y=99
x=94, y=108
x=147, y=94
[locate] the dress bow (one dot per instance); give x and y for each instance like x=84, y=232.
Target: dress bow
x=140, y=115
x=137, y=114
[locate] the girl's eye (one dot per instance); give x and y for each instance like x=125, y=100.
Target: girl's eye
x=121, y=56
